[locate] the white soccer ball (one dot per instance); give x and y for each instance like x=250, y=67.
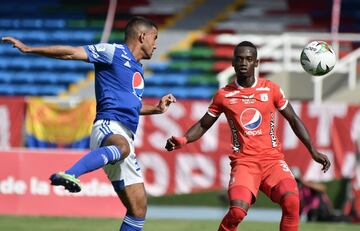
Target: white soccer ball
x=318, y=58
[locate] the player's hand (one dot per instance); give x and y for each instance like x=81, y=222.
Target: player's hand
x=323, y=160
x=165, y=102
x=175, y=142
x=16, y=43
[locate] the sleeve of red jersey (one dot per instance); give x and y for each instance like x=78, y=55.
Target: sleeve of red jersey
x=280, y=101
x=216, y=108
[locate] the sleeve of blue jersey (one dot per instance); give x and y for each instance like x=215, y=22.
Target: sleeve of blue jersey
x=100, y=53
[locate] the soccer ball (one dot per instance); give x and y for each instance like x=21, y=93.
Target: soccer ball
x=318, y=58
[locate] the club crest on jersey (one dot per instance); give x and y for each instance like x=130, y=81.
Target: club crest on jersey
x=138, y=84
x=251, y=118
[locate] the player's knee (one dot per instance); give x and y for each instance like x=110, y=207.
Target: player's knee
x=232, y=219
x=236, y=214
x=290, y=205
x=285, y=187
x=125, y=150
x=120, y=142
x=141, y=212
x=124, y=147
x=138, y=211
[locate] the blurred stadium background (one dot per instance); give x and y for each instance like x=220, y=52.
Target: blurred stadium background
x=47, y=106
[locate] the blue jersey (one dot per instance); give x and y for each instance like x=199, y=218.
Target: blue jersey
x=119, y=83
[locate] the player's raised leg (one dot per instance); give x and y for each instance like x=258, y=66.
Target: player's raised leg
x=90, y=162
x=116, y=148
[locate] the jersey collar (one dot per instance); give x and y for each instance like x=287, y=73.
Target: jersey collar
x=241, y=87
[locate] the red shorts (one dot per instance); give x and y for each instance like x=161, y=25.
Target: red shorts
x=255, y=174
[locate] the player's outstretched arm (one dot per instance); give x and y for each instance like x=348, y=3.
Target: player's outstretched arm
x=193, y=134
x=57, y=52
x=301, y=132
x=160, y=108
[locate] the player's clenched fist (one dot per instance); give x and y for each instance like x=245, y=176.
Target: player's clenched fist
x=175, y=142
x=165, y=102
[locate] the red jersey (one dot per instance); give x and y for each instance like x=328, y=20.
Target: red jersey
x=250, y=113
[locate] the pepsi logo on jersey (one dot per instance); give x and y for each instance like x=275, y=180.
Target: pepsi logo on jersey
x=138, y=84
x=251, y=119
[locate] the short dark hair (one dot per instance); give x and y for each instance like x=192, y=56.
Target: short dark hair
x=133, y=24
x=246, y=44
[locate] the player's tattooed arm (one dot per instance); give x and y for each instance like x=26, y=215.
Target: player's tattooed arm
x=160, y=108
x=302, y=133
x=57, y=52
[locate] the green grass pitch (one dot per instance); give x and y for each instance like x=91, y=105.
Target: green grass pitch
x=17, y=223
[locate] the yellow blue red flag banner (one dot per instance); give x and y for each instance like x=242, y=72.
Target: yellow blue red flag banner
x=51, y=125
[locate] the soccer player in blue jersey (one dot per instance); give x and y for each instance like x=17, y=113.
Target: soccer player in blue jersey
x=119, y=85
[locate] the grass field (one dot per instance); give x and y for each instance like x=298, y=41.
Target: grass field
x=336, y=190
x=15, y=223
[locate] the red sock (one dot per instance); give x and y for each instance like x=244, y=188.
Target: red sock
x=290, y=213
x=232, y=219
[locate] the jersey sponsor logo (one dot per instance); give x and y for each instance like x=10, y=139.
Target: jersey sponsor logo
x=253, y=133
x=251, y=119
x=248, y=99
x=235, y=136
x=233, y=101
x=138, y=84
x=284, y=166
x=272, y=131
x=263, y=89
x=232, y=93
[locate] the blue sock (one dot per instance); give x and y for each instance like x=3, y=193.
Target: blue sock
x=131, y=223
x=95, y=159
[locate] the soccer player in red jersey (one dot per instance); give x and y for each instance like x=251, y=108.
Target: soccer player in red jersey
x=257, y=162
